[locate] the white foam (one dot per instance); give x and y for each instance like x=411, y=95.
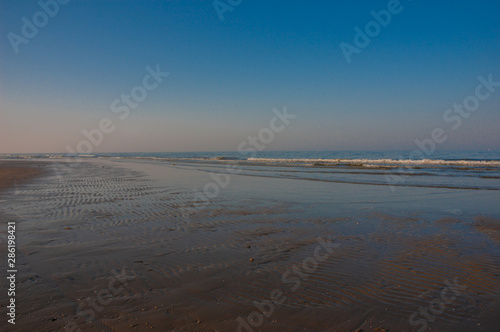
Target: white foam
x=374, y=162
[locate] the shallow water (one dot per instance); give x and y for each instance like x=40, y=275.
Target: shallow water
x=450, y=169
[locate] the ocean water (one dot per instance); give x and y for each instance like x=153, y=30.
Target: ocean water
x=442, y=169
x=343, y=155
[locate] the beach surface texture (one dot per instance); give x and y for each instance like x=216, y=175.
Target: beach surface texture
x=107, y=244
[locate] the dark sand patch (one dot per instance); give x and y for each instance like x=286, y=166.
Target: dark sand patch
x=448, y=220
x=489, y=226
x=17, y=173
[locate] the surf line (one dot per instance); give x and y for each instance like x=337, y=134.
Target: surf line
x=427, y=146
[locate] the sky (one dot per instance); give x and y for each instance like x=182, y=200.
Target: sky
x=64, y=65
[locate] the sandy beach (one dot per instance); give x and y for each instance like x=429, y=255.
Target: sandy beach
x=123, y=246
x=17, y=173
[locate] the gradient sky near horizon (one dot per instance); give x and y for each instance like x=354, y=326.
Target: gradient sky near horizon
x=227, y=76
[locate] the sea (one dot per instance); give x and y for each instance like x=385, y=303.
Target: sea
x=474, y=170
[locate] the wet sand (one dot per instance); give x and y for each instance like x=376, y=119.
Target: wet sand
x=122, y=246
x=16, y=173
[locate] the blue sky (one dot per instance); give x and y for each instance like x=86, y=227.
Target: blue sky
x=227, y=76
